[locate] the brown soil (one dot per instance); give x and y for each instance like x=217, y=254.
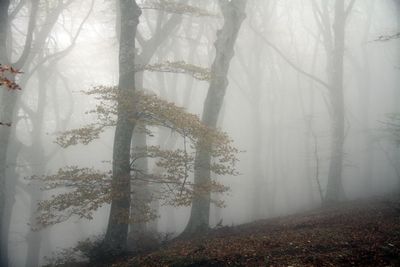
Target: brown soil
x=360, y=233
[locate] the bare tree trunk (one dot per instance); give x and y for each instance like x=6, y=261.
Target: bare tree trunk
x=141, y=190
x=335, y=191
x=234, y=14
x=7, y=108
x=162, y=31
x=38, y=162
x=117, y=230
x=4, y=131
x=397, y=3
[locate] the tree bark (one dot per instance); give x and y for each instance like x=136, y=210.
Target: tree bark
x=335, y=190
x=117, y=230
x=4, y=131
x=234, y=14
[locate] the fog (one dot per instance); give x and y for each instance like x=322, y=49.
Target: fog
x=281, y=109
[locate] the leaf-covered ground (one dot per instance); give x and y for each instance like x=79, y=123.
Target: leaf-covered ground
x=362, y=233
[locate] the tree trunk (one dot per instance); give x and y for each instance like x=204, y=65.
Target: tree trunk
x=4, y=131
x=7, y=108
x=335, y=191
x=162, y=31
x=234, y=14
x=141, y=190
x=117, y=230
x=38, y=161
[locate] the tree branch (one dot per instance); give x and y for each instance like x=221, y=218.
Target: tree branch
x=349, y=8
x=280, y=53
x=29, y=38
x=66, y=51
x=16, y=10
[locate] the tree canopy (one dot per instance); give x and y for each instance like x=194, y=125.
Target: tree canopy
x=87, y=189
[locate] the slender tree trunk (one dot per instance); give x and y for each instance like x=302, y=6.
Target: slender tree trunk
x=38, y=162
x=117, y=230
x=4, y=131
x=8, y=102
x=141, y=191
x=4, y=6
x=397, y=4
x=162, y=31
x=234, y=14
x=335, y=191
x=34, y=239
x=11, y=184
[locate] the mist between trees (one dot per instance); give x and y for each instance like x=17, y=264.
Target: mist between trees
x=128, y=119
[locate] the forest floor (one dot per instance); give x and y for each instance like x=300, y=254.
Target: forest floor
x=357, y=233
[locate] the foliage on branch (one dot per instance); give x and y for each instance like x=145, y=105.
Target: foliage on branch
x=177, y=8
x=385, y=38
x=85, y=190
x=197, y=72
x=150, y=110
x=5, y=71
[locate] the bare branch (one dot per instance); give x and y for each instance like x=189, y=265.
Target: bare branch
x=16, y=9
x=280, y=53
x=29, y=38
x=60, y=54
x=349, y=8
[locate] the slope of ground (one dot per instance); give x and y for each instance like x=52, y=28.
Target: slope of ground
x=362, y=233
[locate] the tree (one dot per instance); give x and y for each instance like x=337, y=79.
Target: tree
x=234, y=14
x=148, y=48
x=88, y=189
x=193, y=29
x=34, y=62
x=334, y=43
x=8, y=105
x=127, y=108
x=117, y=230
x=335, y=67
